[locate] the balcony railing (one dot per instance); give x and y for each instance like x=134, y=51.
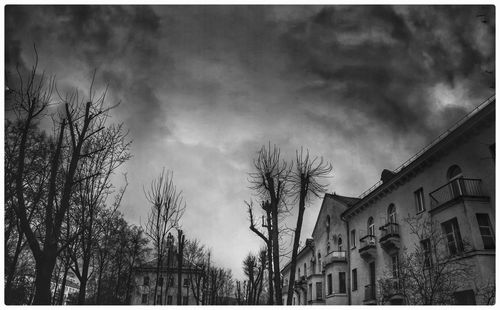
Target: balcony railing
x=367, y=241
x=390, y=229
x=460, y=187
x=369, y=292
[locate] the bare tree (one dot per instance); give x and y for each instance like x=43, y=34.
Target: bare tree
x=196, y=255
x=429, y=274
x=76, y=124
x=267, y=239
x=166, y=211
x=306, y=180
x=91, y=193
x=270, y=181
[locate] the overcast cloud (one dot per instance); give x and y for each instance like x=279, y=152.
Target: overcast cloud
x=203, y=87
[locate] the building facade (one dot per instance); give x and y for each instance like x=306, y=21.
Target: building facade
x=167, y=291
x=448, y=189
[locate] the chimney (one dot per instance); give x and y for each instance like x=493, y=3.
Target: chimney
x=387, y=175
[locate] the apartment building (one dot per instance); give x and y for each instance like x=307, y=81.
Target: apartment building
x=449, y=184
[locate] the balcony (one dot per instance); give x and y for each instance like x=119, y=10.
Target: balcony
x=301, y=282
x=370, y=296
x=335, y=256
x=368, y=247
x=389, y=239
x=454, y=190
x=393, y=292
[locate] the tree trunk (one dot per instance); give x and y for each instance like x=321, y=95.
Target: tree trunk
x=44, y=267
x=270, y=260
x=276, y=256
x=296, y=240
x=83, y=282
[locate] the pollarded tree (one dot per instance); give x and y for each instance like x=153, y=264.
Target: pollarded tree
x=270, y=181
x=166, y=211
x=306, y=180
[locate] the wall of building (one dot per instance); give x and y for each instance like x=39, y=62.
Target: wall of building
x=326, y=243
x=140, y=288
x=473, y=156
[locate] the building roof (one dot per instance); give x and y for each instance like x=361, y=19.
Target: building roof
x=308, y=246
x=483, y=110
x=345, y=199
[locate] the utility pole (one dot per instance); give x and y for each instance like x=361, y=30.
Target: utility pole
x=170, y=241
x=181, y=240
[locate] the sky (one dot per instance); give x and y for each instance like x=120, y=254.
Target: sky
x=202, y=88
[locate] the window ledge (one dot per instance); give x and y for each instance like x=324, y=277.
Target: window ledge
x=420, y=212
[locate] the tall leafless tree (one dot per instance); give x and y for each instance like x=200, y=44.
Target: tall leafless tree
x=270, y=180
x=166, y=211
x=306, y=180
x=76, y=124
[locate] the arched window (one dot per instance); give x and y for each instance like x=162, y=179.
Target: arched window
x=340, y=242
x=319, y=262
x=456, y=182
x=454, y=172
x=298, y=273
x=391, y=213
x=371, y=227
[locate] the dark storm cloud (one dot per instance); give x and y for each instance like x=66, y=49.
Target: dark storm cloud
x=387, y=57
x=120, y=42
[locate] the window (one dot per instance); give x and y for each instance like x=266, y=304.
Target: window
x=184, y=300
x=353, y=238
x=453, y=238
x=391, y=213
x=146, y=281
x=354, y=279
x=319, y=289
x=492, y=151
x=427, y=253
x=465, y=297
x=185, y=282
x=342, y=288
x=144, y=300
x=327, y=226
x=483, y=220
x=158, y=299
x=371, y=227
x=329, y=284
x=395, y=266
x=294, y=303
x=319, y=263
x=160, y=281
x=169, y=300
x=340, y=242
x=310, y=292
x=419, y=200
x=305, y=269
x=298, y=273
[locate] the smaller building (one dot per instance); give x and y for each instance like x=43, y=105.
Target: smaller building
x=167, y=291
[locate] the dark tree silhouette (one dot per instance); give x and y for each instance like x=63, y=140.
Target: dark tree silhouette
x=166, y=211
x=306, y=181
